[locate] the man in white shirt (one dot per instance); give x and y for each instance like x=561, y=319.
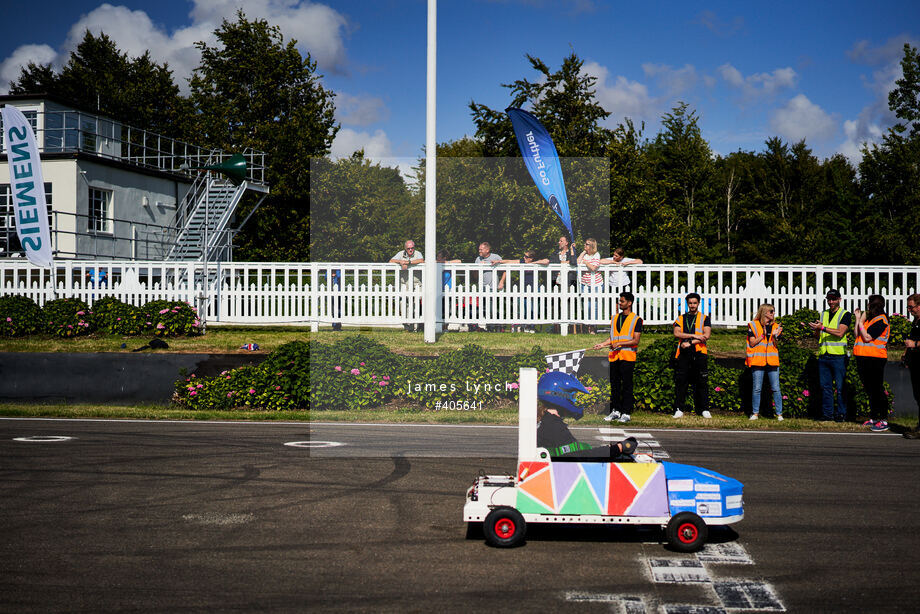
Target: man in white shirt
x=407, y=257
x=618, y=278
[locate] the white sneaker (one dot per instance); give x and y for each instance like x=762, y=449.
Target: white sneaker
x=613, y=415
x=624, y=418
x=678, y=414
x=753, y=417
x=779, y=418
x=706, y=414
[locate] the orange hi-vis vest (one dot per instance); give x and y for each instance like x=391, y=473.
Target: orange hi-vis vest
x=875, y=348
x=697, y=330
x=764, y=354
x=624, y=334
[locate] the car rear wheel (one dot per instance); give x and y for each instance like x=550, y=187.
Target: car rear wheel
x=687, y=532
x=504, y=527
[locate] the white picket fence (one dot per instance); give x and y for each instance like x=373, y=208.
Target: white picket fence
x=323, y=293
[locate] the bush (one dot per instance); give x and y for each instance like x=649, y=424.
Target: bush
x=68, y=317
x=19, y=316
x=900, y=328
x=171, y=318
x=116, y=317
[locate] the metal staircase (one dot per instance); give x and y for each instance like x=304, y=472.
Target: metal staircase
x=204, y=215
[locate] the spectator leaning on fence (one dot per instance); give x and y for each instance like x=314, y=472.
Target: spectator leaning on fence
x=911, y=357
x=831, y=330
x=592, y=281
x=872, y=331
x=528, y=283
x=692, y=330
x=763, y=358
x=566, y=255
x=407, y=257
x=618, y=278
x=625, y=331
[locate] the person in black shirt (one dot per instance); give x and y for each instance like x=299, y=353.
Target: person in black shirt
x=872, y=331
x=625, y=331
x=912, y=356
x=692, y=330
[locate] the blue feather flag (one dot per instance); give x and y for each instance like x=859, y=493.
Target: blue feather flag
x=542, y=162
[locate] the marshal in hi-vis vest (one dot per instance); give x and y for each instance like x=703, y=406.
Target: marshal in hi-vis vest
x=875, y=348
x=827, y=343
x=764, y=354
x=624, y=334
x=697, y=330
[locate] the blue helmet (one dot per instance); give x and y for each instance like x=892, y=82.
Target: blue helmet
x=557, y=389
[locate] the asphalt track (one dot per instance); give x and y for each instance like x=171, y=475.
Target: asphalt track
x=190, y=517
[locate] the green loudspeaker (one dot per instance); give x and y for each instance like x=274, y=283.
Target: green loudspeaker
x=234, y=168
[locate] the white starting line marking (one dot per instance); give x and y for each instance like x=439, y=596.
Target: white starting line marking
x=43, y=438
x=729, y=552
x=314, y=444
x=623, y=433
x=673, y=608
x=629, y=604
x=747, y=595
x=678, y=571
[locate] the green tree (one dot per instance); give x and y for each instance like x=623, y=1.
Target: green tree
x=253, y=90
x=889, y=223
x=362, y=212
x=99, y=77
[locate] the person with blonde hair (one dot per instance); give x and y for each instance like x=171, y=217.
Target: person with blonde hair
x=763, y=358
x=592, y=281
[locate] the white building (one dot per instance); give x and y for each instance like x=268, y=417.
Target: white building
x=116, y=192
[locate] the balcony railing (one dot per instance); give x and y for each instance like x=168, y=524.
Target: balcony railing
x=323, y=293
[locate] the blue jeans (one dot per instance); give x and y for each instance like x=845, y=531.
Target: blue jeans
x=832, y=374
x=773, y=377
x=591, y=303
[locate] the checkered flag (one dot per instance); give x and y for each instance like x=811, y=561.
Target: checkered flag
x=567, y=362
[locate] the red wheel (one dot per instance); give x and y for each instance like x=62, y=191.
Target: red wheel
x=687, y=532
x=504, y=527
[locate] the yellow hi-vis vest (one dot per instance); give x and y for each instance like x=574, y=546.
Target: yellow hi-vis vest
x=875, y=348
x=697, y=330
x=827, y=343
x=624, y=334
x=764, y=354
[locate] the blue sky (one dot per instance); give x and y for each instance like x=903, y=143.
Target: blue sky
x=814, y=70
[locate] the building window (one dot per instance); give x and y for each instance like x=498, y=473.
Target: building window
x=9, y=241
x=100, y=210
x=31, y=117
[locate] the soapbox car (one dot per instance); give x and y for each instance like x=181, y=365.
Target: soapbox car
x=684, y=500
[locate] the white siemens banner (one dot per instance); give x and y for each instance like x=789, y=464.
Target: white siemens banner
x=29, y=209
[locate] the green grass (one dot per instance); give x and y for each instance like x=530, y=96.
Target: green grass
x=227, y=339
x=414, y=415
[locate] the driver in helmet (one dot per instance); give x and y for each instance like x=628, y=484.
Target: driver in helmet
x=556, y=399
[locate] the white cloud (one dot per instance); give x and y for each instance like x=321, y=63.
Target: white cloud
x=318, y=29
x=758, y=85
x=801, y=119
x=360, y=110
x=622, y=97
x=348, y=141
x=674, y=81
x=10, y=68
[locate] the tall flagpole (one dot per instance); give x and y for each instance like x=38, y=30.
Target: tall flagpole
x=431, y=303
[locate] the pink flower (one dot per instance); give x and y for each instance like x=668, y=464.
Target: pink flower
x=162, y=311
x=118, y=320
x=785, y=397
x=80, y=313
x=799, y=399
x=547, y=370
x=373, y=377
x=196, y=323
x=229, y=394
x=386, y=377
x=589, y=388
x=886, y=393
x=355, y=372
x=718, y=389
x=193, y=393
x=338, y=368
x=362, y=364
x=277, y=387
x=11, y=319
x=160, y=326
x=384, y=383
x=200, y=386
x=252, y=391
x=805, y=393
